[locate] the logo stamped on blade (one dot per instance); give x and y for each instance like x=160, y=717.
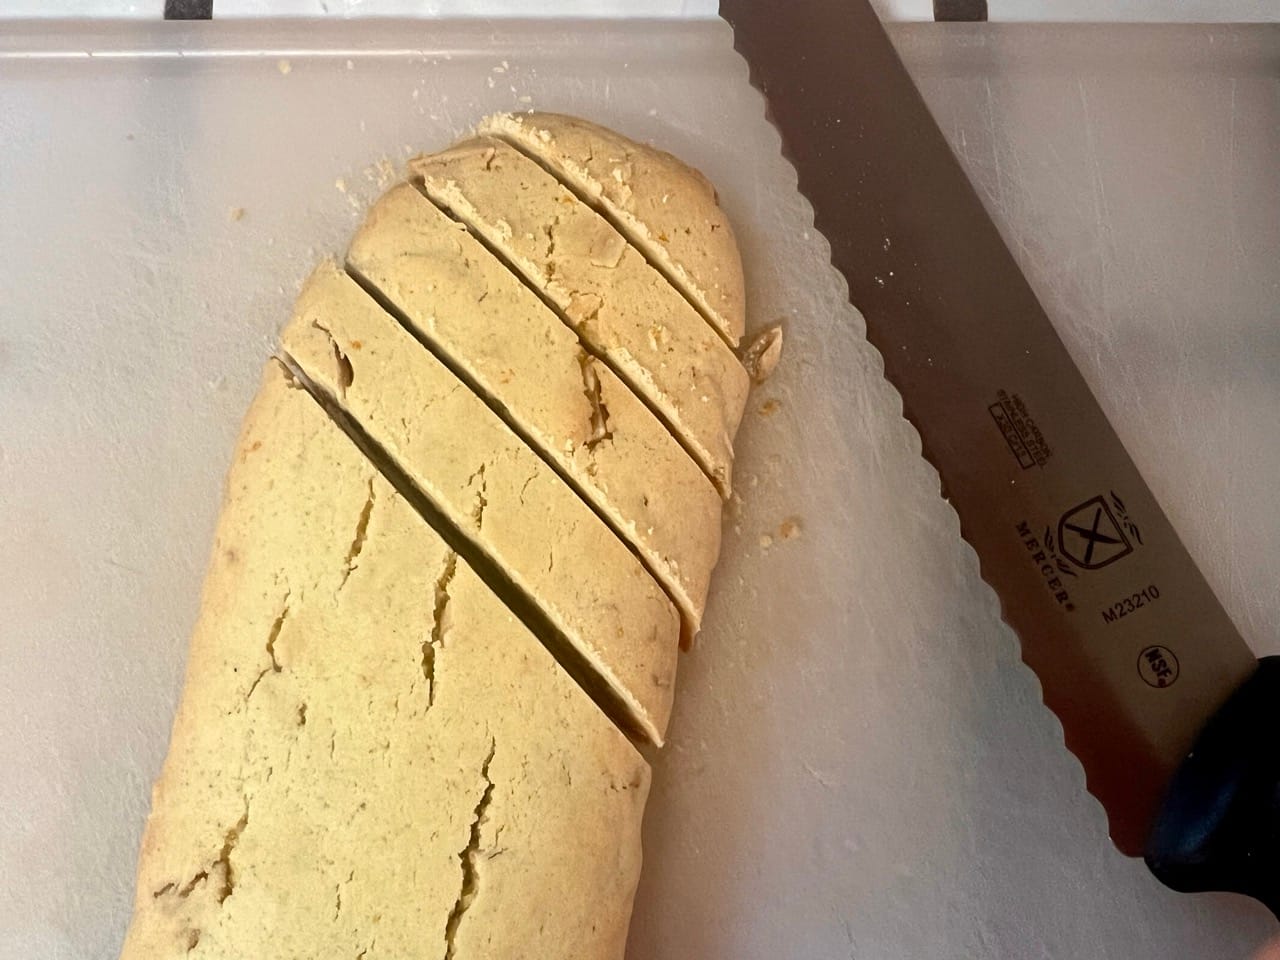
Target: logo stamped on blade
x=1090, y=535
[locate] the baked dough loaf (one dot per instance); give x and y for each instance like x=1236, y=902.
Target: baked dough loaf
x=666, y=208
x=372, y=756
x=473, y=509
x=569, y=406
x=621, y=306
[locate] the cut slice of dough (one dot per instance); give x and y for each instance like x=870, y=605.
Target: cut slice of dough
x=489, y=326
x=666, y=208
x=515, y=510
x=372, y=756
x=620, y=305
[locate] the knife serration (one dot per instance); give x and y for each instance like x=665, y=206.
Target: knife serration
x=1133, y=651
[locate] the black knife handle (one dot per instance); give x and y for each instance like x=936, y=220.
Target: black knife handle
x=1219, y=825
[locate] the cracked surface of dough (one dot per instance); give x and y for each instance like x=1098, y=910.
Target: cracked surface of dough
x=372, y=757
x=668, y=209
x=619, y=304
x=523, y=516
x=469, y=307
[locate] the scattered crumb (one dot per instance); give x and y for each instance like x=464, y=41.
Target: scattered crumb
x=340, y=185
x=524, y=99
x=236, y=213
x=790, y=528
x=128, y=136
x=350, y=65
x=381, y=173
x=284, y=66
x=762, y=355
x=491, y=84
x=770, y=407
x=734, y=506
x=766, y=541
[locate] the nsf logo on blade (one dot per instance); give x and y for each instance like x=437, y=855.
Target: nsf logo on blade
x=1091, y=536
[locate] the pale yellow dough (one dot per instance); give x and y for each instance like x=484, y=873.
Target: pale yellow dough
x=569, y=405
x=372, y=757
x=472, y=512
x=619, y=305
x=483, y=477
x=665, y=207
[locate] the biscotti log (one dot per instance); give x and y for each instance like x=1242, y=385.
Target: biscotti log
x=472, y=513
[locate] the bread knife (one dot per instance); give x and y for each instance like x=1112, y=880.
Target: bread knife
x=1159, y=696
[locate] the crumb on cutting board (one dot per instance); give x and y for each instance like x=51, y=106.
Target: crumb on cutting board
x=235, y=213
x=284, y=66
x=763, y=354
x=788, y=529
x=382, y=173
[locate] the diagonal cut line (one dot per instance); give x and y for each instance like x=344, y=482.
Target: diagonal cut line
x=504, y=414
x=551, y=305
x=587, y=675
x=627, y=234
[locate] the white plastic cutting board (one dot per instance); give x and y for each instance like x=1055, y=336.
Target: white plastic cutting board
x=859, y=766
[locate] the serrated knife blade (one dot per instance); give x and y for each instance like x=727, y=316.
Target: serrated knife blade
x=1134, y=653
